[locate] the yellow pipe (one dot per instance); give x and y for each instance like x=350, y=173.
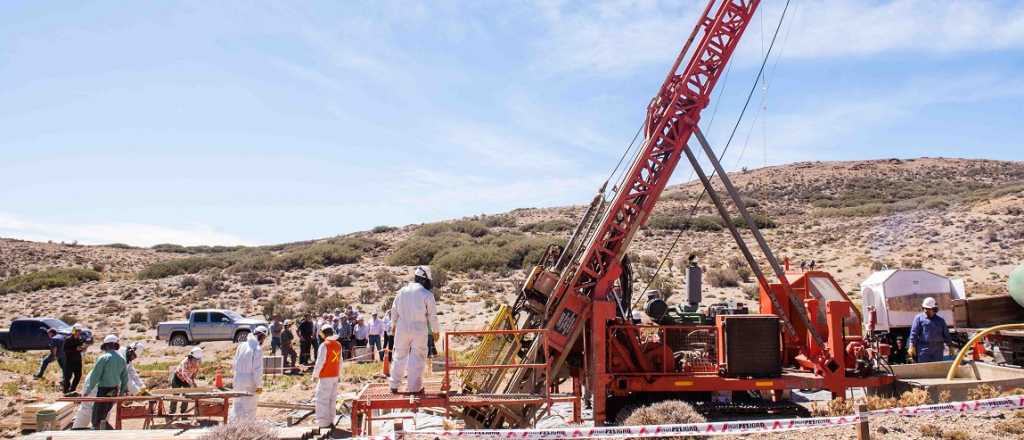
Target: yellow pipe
x=976, y=338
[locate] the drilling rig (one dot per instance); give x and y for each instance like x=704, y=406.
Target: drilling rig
x=572, y=319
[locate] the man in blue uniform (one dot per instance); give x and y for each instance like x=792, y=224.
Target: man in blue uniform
x=929, y=334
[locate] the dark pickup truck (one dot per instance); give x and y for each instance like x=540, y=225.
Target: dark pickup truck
x=30, y=333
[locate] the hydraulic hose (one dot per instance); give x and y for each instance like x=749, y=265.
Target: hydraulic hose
x=967, y=347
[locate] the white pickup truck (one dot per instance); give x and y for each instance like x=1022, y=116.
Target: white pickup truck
x=207, y=325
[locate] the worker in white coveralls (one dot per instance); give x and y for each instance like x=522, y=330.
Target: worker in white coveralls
x=413, y=317
x=248, y=375
x=83, y=415
x=327, y=370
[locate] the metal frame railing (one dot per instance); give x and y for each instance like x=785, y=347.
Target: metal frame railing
x=452, y=365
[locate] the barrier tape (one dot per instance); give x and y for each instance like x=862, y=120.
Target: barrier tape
x=711, y=428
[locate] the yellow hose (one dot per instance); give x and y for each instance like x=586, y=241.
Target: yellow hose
x=967, y=347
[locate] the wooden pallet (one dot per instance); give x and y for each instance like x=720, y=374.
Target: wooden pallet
x=65, y=413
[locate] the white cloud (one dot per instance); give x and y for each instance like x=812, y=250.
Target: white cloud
x=135, y=234
x=828, y=121
x=618, y=37
x=856, y=28
x=499, y=148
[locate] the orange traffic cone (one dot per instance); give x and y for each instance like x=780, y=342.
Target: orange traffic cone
x=386, y=370
x=218, y=380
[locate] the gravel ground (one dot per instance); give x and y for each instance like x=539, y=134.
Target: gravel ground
x=951, y=427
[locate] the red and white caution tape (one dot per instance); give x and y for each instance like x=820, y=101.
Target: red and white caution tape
x=997, y=403
x=710, y=428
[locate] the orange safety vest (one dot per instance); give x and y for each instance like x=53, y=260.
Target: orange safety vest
x=332, y=364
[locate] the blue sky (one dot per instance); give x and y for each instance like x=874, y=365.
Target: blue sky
x=262, y=122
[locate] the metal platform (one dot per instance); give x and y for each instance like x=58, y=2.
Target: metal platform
x=377, y=397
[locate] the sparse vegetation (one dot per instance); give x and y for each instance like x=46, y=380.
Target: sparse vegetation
x=251, y=429
x=383, y=229
x=320, y=254
x=48, y=279
x=663, y=413
x=339, y=280
x=155, y=314
x=461, y=252
x=723, y=277
x=683, y=222
x=553, y=225
x=180, y=266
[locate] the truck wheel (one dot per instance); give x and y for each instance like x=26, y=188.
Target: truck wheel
x=178, y=340
x=241, y=336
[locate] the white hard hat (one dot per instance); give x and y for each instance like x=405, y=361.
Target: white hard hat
x=929, y=303
x=326, y=327
x=423, y=271
x=196, y=353
x=138, y=346
x=636, y=315
x=111, y=339
x=261, y=330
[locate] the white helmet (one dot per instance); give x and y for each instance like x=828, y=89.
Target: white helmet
x=138, y=346
x=111, y=339
x=423, y=271
x=196, y=353
x=326, y=327
x=261, y=330
x=929, y=303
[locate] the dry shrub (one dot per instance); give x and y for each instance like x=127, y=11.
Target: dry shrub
x=832, y=408
x=1014, y=425
x=983, y=391
x=955, y=435
x=914, y=398
x=945, y=396
x=1015, y=392
x=878, y=402
x=724, y=277
x=242, y=430
x=665, y=413
x=929, y=430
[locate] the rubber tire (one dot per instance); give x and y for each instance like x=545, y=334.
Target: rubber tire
x=178, y=340
x=241, y=335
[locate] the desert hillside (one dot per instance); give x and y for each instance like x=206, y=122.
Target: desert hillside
x=963, y=218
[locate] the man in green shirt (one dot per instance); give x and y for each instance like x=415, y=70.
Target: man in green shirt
x=109, y=377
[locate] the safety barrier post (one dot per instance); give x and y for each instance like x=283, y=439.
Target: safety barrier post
x=445, y=384
x=863, y=430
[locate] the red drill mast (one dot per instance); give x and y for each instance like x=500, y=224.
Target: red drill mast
x=672, y=117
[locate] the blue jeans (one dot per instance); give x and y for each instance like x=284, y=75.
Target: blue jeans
x=930, y=352
x=374, y=343
x=46, y=363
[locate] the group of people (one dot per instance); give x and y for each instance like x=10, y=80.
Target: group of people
x=350, y=328
x=404, y=331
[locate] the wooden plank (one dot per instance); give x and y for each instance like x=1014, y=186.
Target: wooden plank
x=165, y=391
x=281, y=405
x=987, y=311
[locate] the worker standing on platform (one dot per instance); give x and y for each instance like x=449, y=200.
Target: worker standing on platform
x=413, y=316
x=929, y=334
x=327, y=370
x=248, y=374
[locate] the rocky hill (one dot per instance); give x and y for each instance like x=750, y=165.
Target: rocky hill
x=963, y=218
